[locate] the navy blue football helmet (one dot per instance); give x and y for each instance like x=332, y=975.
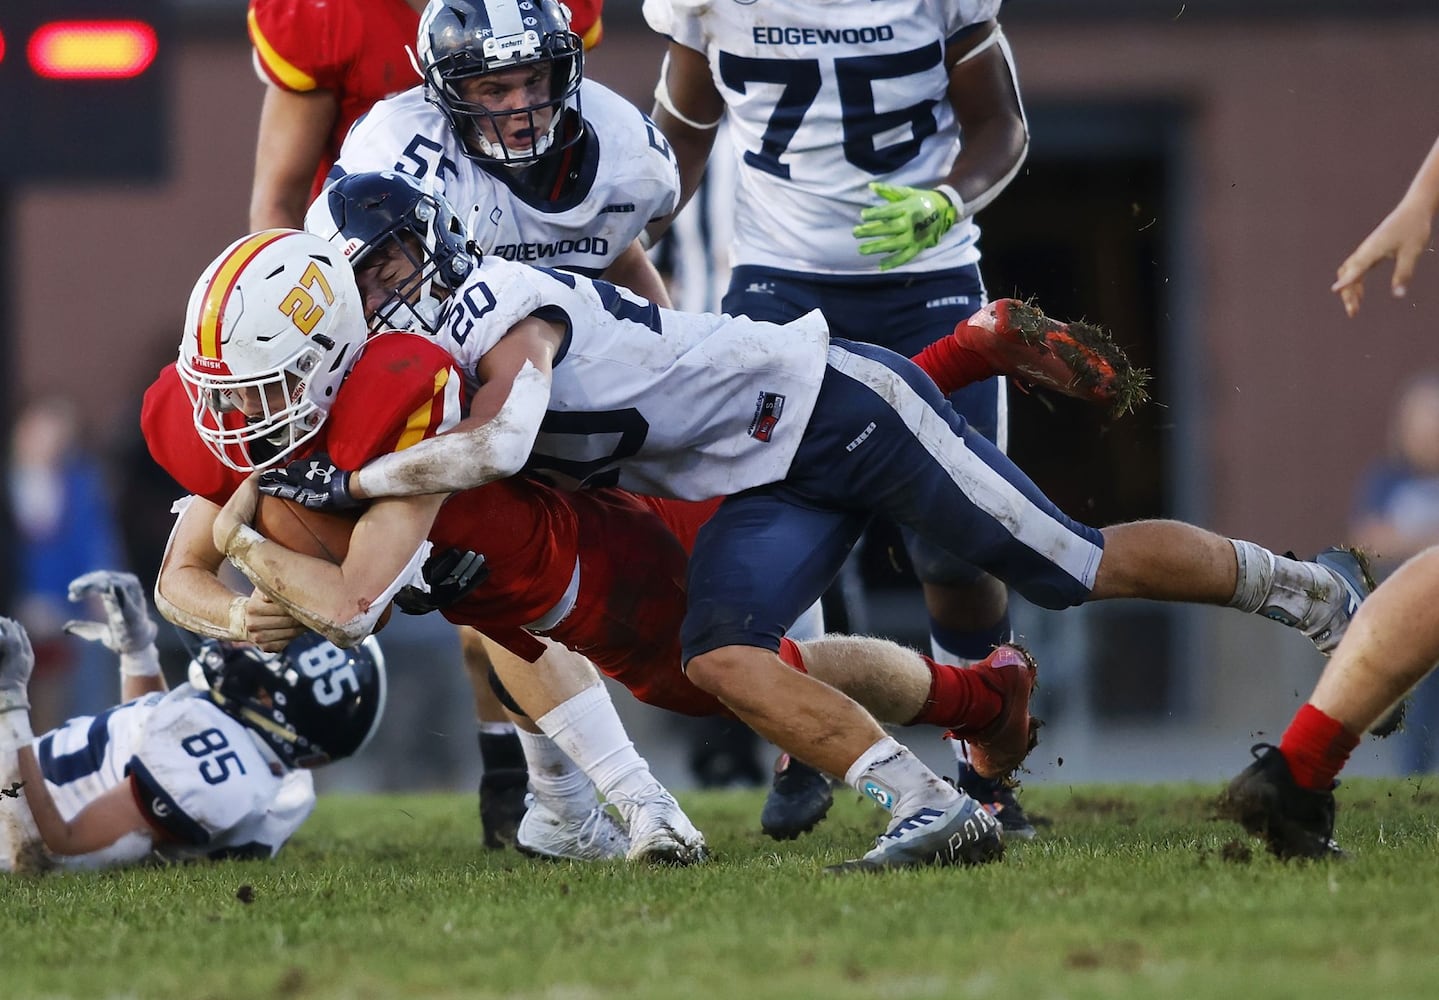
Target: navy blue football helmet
x=366, y=211
x=462, y=39
x=313, y=703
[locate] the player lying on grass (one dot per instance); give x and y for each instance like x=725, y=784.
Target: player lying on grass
x=216, y=768
x=806, y=436
x=250, y=419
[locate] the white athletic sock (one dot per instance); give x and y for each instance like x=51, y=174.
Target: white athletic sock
x=588, y=728
x=555, y=779
x=894, y=777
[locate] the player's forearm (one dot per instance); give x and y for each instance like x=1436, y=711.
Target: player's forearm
x=990, y=159
x=634, y=270
x=197, y=601
x=1423, y=191
x=59, y=836
x=475, y=452
x=984, y=93
x=316, y=592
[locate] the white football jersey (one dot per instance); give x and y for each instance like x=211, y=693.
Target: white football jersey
x=664, y=403
x=628, y=177
x=824, y=96
x=206, y=779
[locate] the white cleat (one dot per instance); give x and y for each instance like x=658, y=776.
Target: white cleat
x=543, y=833
x=660, y=832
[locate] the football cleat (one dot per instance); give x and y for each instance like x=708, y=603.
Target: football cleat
x=963, y=834
x=1350, y=569
x=1075, y=359
x=660, y=832
x=997, y=749
x=1000, y=801
x=544, y=833
x=798, y=799
x=502, y=805
x=1294, y=822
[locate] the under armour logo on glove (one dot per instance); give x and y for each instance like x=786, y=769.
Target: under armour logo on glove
x=317, y=470
x=313, y=482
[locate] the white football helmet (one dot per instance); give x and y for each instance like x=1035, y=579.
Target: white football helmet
x=278, y=313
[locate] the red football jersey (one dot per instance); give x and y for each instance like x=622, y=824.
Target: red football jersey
x=353, y=48
x=632, y=551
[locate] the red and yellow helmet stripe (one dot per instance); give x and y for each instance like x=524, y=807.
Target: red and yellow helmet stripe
x=222, y=283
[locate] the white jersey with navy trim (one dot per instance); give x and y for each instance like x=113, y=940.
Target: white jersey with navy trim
x=627, y=178
x=824, y=96
x=658, y=402
x=209, y=781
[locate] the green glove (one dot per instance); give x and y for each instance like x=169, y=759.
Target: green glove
x=907, y=221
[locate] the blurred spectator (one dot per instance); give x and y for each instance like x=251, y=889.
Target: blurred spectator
x=64, y=528
x=1397, y=516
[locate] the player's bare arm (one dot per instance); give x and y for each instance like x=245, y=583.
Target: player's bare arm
x=342, y=602
x=294, y=127
x=190, y=593
x=104, y=821
x=985, y=98
x=634, y=270
x=687, y=109
x=494, y=441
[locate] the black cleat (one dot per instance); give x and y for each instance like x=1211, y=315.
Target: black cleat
x=999, y=801
x=1292, y=821
x=798, y=799
x=502, y=805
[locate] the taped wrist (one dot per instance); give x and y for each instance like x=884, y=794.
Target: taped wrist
x=15, y=729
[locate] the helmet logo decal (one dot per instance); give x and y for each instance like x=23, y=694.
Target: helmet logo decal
x=223, y=283
x=301, y=306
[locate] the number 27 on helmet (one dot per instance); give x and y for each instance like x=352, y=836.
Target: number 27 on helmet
x=272, y=328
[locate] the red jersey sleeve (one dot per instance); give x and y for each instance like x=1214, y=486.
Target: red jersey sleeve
x=585, y=20
x=168, y=423
x=301, y=45
x=402, y=390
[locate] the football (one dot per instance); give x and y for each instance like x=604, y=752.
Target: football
x=309, y=532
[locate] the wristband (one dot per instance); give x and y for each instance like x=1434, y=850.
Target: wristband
x=143, y=663
x=954, y=199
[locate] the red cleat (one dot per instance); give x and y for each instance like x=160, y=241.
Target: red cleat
x=996, y=750
x=1075, y=359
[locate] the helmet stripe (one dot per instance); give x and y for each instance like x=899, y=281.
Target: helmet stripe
x=274, y=65
x=222, y=283
x=426, y=419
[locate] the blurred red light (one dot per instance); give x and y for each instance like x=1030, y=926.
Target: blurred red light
x=92, y=50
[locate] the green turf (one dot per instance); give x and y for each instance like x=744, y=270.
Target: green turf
x=1133, y=892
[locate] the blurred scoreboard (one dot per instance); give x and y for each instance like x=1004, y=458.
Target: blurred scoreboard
x=85, y=89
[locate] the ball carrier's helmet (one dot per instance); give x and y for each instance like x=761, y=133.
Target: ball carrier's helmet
x=278, y=312
x=312, y=704
x=363, y=212
x=461, y=39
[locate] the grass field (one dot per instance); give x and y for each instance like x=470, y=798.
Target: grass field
x=1134, y=892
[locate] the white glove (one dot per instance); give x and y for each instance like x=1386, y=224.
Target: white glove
x=128, y=627
x=17, y=661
